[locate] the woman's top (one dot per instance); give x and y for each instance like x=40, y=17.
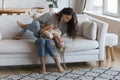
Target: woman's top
x=49, y=18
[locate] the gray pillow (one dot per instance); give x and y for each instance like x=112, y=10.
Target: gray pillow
x=81, y=19
x=90, y=30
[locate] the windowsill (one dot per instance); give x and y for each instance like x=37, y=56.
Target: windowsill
x=102, y=15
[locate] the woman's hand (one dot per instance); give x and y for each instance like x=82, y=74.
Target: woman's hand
x=48, y=28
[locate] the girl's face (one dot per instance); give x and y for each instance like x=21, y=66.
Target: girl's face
x=65, y=18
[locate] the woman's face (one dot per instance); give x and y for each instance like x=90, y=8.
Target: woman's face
x=65, y=18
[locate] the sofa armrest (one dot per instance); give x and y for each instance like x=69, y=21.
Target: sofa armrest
x=101, y=35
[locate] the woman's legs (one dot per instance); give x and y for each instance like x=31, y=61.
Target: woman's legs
x=40, y=43
x=60, y=68
x=53, y=52
x=42, y=61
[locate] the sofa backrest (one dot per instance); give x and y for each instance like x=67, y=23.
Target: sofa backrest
x=8, y=25
x=9, y=28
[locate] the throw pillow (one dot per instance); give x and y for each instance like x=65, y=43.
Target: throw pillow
x=90, y=30
x=81, y=19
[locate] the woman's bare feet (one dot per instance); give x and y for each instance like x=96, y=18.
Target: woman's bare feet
x=43, y=71
x=21, y=25
x=60, y=69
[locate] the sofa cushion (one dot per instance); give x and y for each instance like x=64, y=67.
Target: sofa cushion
x=17, y=46
x=80, y=44
x=90, y=30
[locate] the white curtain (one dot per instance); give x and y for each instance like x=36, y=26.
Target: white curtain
x=80, y=6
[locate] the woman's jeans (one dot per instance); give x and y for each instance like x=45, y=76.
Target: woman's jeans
x=44, y=45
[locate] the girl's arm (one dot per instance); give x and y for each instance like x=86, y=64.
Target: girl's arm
x=19, y=35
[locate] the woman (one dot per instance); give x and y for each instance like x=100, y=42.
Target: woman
x=65, y=20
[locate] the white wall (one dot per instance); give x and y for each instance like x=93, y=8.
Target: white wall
x=24, y=3
x=33, y=3
x=114, y=26
x=63, y=3
x=38, y=3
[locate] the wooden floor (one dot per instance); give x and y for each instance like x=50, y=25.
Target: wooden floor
x=36, y=68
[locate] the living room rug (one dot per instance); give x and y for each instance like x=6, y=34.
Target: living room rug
x=79, y=74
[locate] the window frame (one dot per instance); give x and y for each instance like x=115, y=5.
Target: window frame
x=105, y=12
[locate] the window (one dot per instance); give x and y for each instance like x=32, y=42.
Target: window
x=97, y=5
x=111, y=7
x=94, y=6
x=106, y=7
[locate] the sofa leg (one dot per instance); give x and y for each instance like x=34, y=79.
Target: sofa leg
x=107, y=52
x=100, y=63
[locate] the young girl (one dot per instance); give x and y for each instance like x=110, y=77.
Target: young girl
x=48, y=31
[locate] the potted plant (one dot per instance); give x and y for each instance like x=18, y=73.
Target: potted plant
x=53, y=5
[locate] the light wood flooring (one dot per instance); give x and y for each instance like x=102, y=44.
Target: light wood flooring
x=51, y=67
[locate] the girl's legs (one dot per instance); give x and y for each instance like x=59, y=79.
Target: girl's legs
x=21, y=25
x=40, y=43
x=52, y=51
x=34, y=27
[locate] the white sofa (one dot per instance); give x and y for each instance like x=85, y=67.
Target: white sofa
x=24, y=51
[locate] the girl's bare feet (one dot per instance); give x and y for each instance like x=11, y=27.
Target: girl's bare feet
x=17, y=36
x=21, y=25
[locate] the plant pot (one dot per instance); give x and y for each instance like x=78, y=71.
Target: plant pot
x=53, y=10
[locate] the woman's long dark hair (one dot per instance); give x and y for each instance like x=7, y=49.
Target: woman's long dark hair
x=72, y=25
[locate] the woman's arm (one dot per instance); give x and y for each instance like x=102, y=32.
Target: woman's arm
x=47, y=28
